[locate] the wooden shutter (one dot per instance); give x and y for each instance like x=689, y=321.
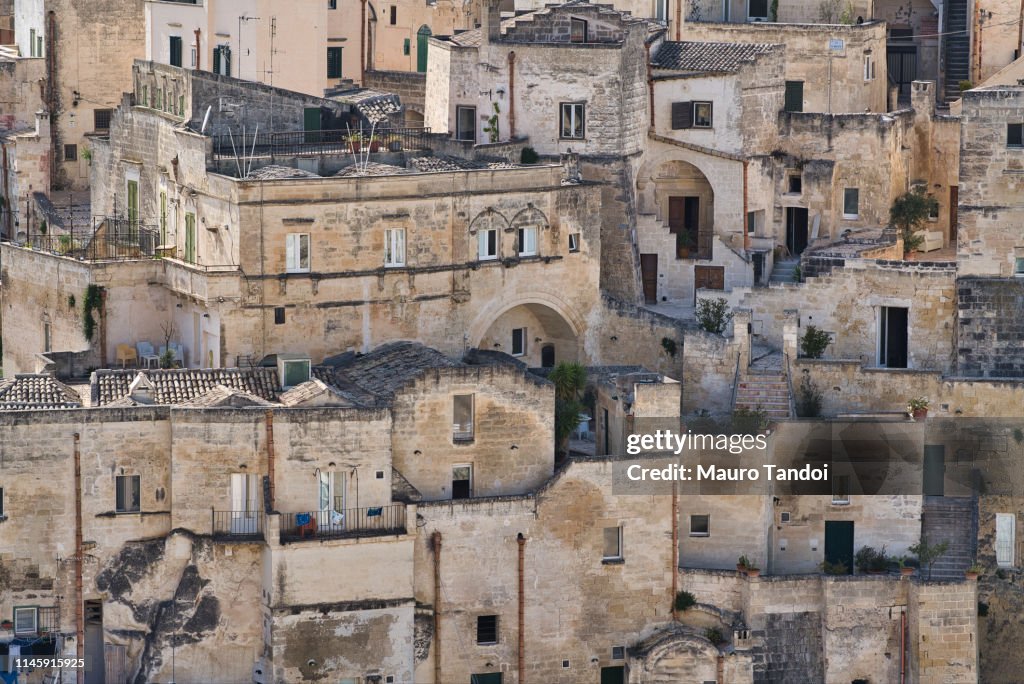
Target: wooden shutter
x=682, y=115
x=216, y=60
x=794, y=96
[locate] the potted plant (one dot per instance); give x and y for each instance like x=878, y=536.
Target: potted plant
x=973, y=572
x=6, y=624
x=753, y=571
x=870, y=561
x=742, y=564
x=906, y=566
x=394, y=143
x=354, y=142
x=917, y=408
x=374, y=144
x=683, y=244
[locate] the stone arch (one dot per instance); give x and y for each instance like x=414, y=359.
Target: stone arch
x=530, y=215
x=677, y=657
x=547, y=319
x=487, y=219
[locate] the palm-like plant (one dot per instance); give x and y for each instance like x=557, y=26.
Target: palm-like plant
x=570, y=379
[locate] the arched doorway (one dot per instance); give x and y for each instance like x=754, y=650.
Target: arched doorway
x=421, y=48
x=534, y=333
x=547, y=356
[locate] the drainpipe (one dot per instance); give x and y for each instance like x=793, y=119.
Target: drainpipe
x=362, y=43
x=270, y=457
x=903, y=647
x=675, y=546
x=650, y=84
x=511, y=94
x=79, y=597
x=103, y=327
x=51, y=94
x=522, y=613
x=721, y=670
x=199, y=52
x=679, y=20
x=977, y=75
x=437, y=607
x=746, y=233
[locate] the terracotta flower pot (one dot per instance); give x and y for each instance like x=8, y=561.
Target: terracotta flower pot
x=753, y=572
x=971, y=575
x=741, y=568
x=906, y=572
x=920, y=414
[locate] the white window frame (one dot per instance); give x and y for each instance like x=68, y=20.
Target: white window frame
x=838, y=499
x=661, y=10
x=285, y=363
x=574, y=242
x=192, y=49
x=460, y=132
x=463, y=465
x=855, y=215
x=1006, y=550
x=34, y=611
x=618, y=556
x=127, y=480
x=293, y=261
x=483, y=238
x=1018, y=266
x=577, y=114
x=464, y=432
x=522, y=341
x=700, y=534
x=394, y=247
x=869, y=68
x=526, y=239
x=711, y=114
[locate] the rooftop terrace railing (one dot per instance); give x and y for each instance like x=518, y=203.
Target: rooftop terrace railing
x=341, y=141
x=108, y=239
x=374, y=521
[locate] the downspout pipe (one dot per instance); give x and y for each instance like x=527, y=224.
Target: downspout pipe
x=675, y=546
x=512, y=94
x=270, y=458
x=199, y=51
x=650, y=85
x=362, y=42
x=746, y=232
x=903, y=647
x=436, y=537
x=679, y=20
x=79, y=561
x=521, y=651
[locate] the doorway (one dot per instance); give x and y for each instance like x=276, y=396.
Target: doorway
x=311, y=124
x=684, y=223
x=95, y=670
x=422, y=38
x=649, y=276
x=892, y=336
x=331, y=496
x=796, y=229
x=547, y=356
x=245, y=500
x=934, y=469
x=839, y=543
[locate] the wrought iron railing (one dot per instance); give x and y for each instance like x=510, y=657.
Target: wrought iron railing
x=49, y=620
x=339, y=141
x=116, y=239
x=237, y=525
x=372, y=521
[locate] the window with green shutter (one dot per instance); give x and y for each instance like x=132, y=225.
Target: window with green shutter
x=190, y=238
x=334, y=62
x=176, y=51
x=405, y=47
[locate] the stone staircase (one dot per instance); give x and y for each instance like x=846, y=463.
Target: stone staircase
x=956, y=47
x=763, y=387
x=784, y=270
x=953, y=520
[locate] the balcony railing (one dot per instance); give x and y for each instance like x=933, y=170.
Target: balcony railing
x=292, y=143
x=373, y=521
x=237, y=525
x=110, y=239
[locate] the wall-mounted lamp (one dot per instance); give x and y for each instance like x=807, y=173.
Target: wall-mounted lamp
x=514, y=447
x=614, y=338
x=536, y=339
x=206, y=315
x=501, y=92
x=417, y=453
x=178, y=305
x=242, y=466
x=331, y=464
x=497, y=345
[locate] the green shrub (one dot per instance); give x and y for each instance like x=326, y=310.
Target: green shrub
x=529, y=156
x=808, y=398
x=714, y=635
x=834, y=568
x=814, y=342
x=685, y=600
x=713, y=314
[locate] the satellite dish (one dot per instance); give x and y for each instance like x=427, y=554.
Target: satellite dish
x=206, y=119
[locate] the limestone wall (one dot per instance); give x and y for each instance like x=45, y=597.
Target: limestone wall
x=943, y=627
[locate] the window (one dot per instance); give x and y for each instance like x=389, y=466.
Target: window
x=1018, y=266
x=465, y=123
x=574, y=242
x=933, y=208
x=405, y=46
x=192, y=57
x=393, y=15
x=869, y=68
x=101, y=119
x=682, y=115
x=145, y=96
x=39, y=46
x=702, y=115
x=46, y=337
x=661, y=10
x=163, y=218
x=462, y=481
x=785, y=517
x=26, y=620
x=462, y=417
x=222, y=60
x=175, y=51
x=518, y=341
x=700, y=525
x=294, y=372
x=71, y=153
x=577, y=30
x=612, y=543
x=841, y=490
x=332, y=4
x=181, y=105
x=1005, y=539
x=334, y=62
x=851, y=203
x=32, y=43
x=487, y=629
x=278, y=315
x=757, y=10
x=528, y=241
x=190, y=238
x=618, y=652
x=2, y=514
x=1015, y=135
x=133, y=204
x=487, y=244
x=297, y=253
x=127, y=494
x=796, y=184
x=572, y=120
x=794, y=97
x=394, y=247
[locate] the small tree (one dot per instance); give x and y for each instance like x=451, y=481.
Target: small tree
x=927, y=553
x=908, y=212
x=713, y=314
x=491, y=129
x=570, y=379
x=808, y=398
x=814, y=342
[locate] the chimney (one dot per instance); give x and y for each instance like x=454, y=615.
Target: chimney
x=141, y=389
x=43, y=124
x=491, y=26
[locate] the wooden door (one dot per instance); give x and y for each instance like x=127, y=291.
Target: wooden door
x=839, y=543
x=676, y=222
x=649, y=276
x=709, y=277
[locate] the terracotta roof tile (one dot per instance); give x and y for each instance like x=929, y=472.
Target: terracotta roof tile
x=29, y=391
x=180, y=386
x=710, y=57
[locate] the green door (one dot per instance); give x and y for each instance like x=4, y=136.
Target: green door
x=311, y=124
x=839, y=543
x=133, y=207
x=421, y=48
x=613, y=675
x=190, y=238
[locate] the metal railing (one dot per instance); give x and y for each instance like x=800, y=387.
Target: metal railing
x=110, y=239
x=48, y=620
x=353, y=522
x=237, y=525
x=339, y=141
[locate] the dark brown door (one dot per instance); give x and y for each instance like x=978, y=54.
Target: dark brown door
x=709, y=277
x=649, y=275
x=954, y=198
x=676, y=220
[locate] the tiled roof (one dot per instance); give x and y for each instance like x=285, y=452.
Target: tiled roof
x=388, y=368
x=376, y=106
x=226, y=396
x=711, y=57
x=26, y=392
x=277, y=172
x=320, y=392
x=372, y=169
x=446, y=163
x=180, y=386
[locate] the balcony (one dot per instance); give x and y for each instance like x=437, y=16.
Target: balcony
x=374, y=521
x=108, y=239
x=237, y=525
